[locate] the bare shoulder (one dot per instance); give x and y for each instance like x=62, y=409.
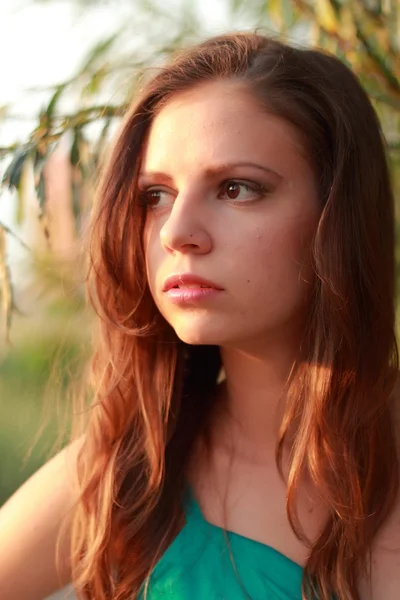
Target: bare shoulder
x=58, y=473
x=30, y=522
x=385, y=558
x=385, y=563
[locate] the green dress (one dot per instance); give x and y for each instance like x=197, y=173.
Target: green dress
x=197, y=566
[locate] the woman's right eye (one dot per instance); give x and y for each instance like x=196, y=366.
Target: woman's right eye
x=151, y=197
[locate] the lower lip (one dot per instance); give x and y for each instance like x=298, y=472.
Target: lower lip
x=184, y=295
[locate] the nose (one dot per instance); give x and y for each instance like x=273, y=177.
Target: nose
x=186, y=229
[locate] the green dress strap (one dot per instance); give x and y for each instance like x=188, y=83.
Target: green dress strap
x=205, y=562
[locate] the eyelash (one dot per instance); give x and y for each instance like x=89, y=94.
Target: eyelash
x=259, y=190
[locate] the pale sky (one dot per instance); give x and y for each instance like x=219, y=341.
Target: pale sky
x=41, y=44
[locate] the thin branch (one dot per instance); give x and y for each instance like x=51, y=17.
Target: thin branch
x=106, y=70
x=106, y=110
x=305, y=8
x=389, y=100
x=4, y=150
x=82, y=118
x=390, y=77
x=379, y=18
x=393, y=146
x=14, y=235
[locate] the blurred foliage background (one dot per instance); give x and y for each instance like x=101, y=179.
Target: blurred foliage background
x=51, y=176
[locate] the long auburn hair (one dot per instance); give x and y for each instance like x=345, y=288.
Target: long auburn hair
x=152, y=393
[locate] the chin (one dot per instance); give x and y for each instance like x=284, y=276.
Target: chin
x=201, y=335
x=197, y=338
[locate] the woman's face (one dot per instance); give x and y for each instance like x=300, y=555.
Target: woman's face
x=232, y=199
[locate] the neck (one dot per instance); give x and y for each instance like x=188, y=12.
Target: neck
x=252, y=399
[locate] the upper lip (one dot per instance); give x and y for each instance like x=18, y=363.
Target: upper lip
x=187, y=278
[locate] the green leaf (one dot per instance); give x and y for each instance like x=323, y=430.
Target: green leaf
x=273, y=9
x=22, y=189
x=13, y=173
x=75, y=148
x=235, y=7
x=98, y=51
x=102, y=140
x=85, y=158
x=3, y=111
x=326, y=15
x=94, y=84
x=39, y=160
x=76, y=200
x=41, y=192
x=6, y=292
x=49, y=111
x=288, y=15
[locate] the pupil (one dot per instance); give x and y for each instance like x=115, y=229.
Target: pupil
x=233, y=190
x=152, y=196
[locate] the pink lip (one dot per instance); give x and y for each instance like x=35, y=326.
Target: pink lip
x=190, y=295
x=188, y=279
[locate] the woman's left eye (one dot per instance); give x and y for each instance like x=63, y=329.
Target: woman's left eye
x=241, y=190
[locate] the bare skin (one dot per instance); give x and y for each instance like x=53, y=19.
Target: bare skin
x=257, y=253
x=30, y=522
x=244, y=493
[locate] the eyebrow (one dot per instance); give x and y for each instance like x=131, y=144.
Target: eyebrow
x=213, y=171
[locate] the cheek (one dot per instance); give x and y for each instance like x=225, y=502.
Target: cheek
x=151, y=253
x=279, y=262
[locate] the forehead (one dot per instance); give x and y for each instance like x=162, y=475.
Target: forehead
x=218, y=121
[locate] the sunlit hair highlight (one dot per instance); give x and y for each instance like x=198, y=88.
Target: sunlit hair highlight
x=153, y=394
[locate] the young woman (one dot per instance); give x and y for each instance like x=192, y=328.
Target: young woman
x=242, y=440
